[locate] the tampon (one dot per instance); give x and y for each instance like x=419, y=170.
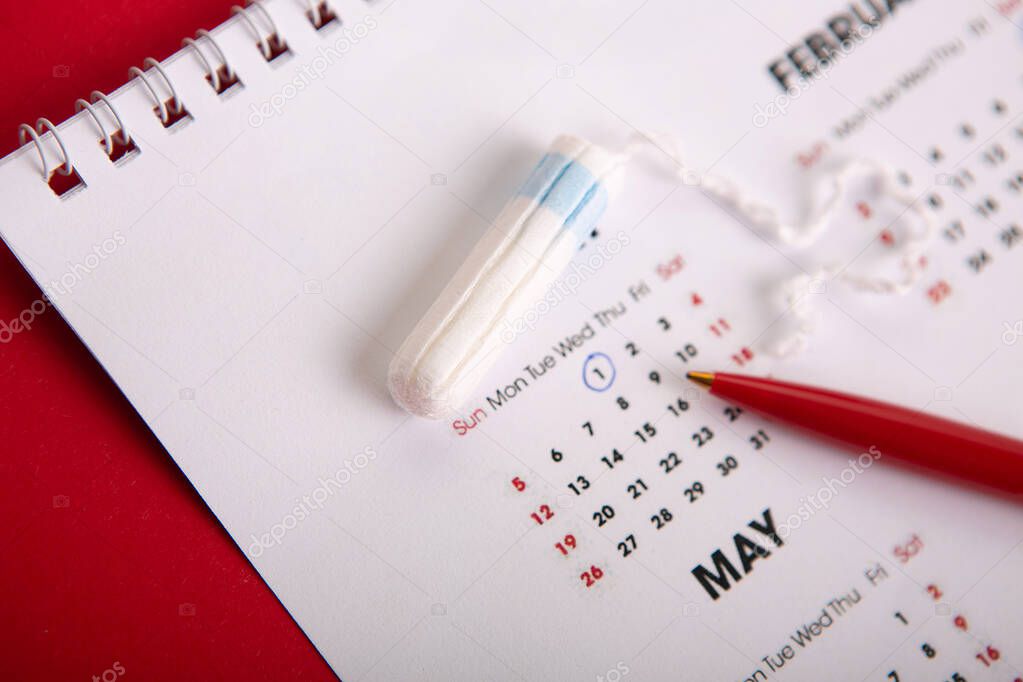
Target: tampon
x=528, y=246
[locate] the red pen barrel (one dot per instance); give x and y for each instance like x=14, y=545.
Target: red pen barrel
x=934, y=443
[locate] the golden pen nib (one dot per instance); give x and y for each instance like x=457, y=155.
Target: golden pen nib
x=705, y=378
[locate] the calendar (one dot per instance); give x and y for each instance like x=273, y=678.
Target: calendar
x=588, y=514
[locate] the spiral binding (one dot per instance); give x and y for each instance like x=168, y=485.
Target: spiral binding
x=66, y=167
x=272, y=46
x=167, y=117
x=118, y=144
x=222, y=77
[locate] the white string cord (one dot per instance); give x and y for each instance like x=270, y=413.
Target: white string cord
x=794, y=293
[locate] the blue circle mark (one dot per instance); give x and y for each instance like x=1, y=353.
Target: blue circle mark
x=586, y=373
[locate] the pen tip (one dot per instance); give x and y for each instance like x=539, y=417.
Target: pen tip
x=705, y=378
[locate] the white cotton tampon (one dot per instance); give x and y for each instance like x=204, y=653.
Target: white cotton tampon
x=510, y=269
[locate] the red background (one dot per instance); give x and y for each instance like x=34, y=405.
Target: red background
x=108, y=555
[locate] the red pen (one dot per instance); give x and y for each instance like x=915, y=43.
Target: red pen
x=913, y=437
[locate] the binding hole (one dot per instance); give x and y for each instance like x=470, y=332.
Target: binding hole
x=122, y=151
x=277, y=47
x=65, y=185
x=320, y=14
x=226, y=79
x=176, y=112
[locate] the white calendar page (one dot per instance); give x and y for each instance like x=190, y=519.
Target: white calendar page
x=247, y=276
